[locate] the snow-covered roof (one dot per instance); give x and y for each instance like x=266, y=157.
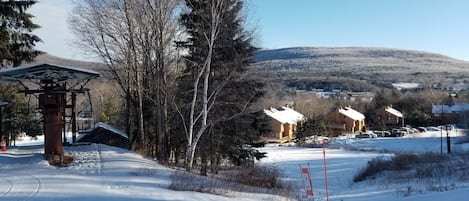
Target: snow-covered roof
x=404, y=85
x=104, y=126
x=394, y=112
x=284, y=115
x=110, y=128
x=352, y=114
x=458, y=107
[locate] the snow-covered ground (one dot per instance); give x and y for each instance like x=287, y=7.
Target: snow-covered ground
x=343, y=164
x=101, y=172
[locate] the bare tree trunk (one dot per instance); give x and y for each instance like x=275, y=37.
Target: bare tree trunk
x=138, y=79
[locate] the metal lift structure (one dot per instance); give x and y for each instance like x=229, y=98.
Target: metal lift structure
x=52, y=85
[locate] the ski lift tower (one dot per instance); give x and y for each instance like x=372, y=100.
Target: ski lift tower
x=52, y=84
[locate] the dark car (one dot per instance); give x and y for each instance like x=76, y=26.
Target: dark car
x=363, y=135
x=396, y=133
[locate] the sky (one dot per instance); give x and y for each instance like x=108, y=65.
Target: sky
x=440, y=26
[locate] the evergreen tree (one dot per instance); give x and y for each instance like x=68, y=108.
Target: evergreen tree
x=230, y=124
x=16, y=39
x=18, y=115
x=314, y=126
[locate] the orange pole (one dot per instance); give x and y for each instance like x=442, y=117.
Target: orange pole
x=325, y=169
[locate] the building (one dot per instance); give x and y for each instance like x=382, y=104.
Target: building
x=346, y=120
x=457, y=113
x=387, y=118
x=283, y=122
x=105, y=134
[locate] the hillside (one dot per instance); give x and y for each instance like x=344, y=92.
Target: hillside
x=50, y=59
x=376, y=66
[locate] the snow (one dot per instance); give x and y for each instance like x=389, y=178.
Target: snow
x=284, y=115
x=351, y=113
x=394, y=112
x=343, y=164
x=404, y=85
x=101, y=172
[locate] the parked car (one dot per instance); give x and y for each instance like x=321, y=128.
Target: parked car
x=396, y=133
x=363, y=135
x=382, y=133
x=422, y=129
x=432, y=128
x=446, y=127
x=404, y=131
x=367, y=134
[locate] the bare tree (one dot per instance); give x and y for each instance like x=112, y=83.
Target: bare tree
x=135, y=40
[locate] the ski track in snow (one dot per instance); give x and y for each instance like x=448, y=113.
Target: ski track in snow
x=9, y=188
x=21, y=188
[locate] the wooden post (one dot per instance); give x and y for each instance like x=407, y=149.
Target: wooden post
x=52, y=105
x=74, y=118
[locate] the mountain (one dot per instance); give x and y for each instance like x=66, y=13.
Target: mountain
x=50, y=59
x=376, y=66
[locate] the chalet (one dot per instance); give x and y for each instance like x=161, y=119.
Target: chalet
x=387, y=118
x=457, y=113
x=105, y=134
x=346, y=120
x=283, y=121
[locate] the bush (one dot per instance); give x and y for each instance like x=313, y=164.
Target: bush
x=402, y=162
x=258, y=180
x=266, y=177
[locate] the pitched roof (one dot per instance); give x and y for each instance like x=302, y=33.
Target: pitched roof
x=284, y=115
x=101, y=125
x=393, y=111
x=352, y=114
x=47, y=72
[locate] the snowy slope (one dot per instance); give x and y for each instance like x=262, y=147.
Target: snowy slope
x=99, y=172
x=342, y=165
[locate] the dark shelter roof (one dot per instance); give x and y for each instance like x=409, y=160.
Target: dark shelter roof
x=47, y=72
x=105, y=134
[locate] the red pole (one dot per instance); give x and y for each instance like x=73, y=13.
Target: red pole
x=325, y=169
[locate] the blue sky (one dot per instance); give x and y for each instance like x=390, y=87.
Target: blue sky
x=440, y=26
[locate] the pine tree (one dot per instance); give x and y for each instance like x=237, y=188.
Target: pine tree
x=314, y=126
x=16, y=39
x=218, y=40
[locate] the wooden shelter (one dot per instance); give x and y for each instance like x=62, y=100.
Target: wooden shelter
x=52, y=84
x=105, y=134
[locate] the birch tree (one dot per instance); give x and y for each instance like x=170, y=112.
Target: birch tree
x=214, y=61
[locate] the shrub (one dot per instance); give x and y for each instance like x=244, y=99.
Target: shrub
x=402, y=162
x=259, y=180
x=266, y=177
x=375, y=166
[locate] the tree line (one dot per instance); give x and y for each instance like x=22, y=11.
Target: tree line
x=180, y=66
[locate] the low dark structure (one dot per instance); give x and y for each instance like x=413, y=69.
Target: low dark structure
x=105, y=134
